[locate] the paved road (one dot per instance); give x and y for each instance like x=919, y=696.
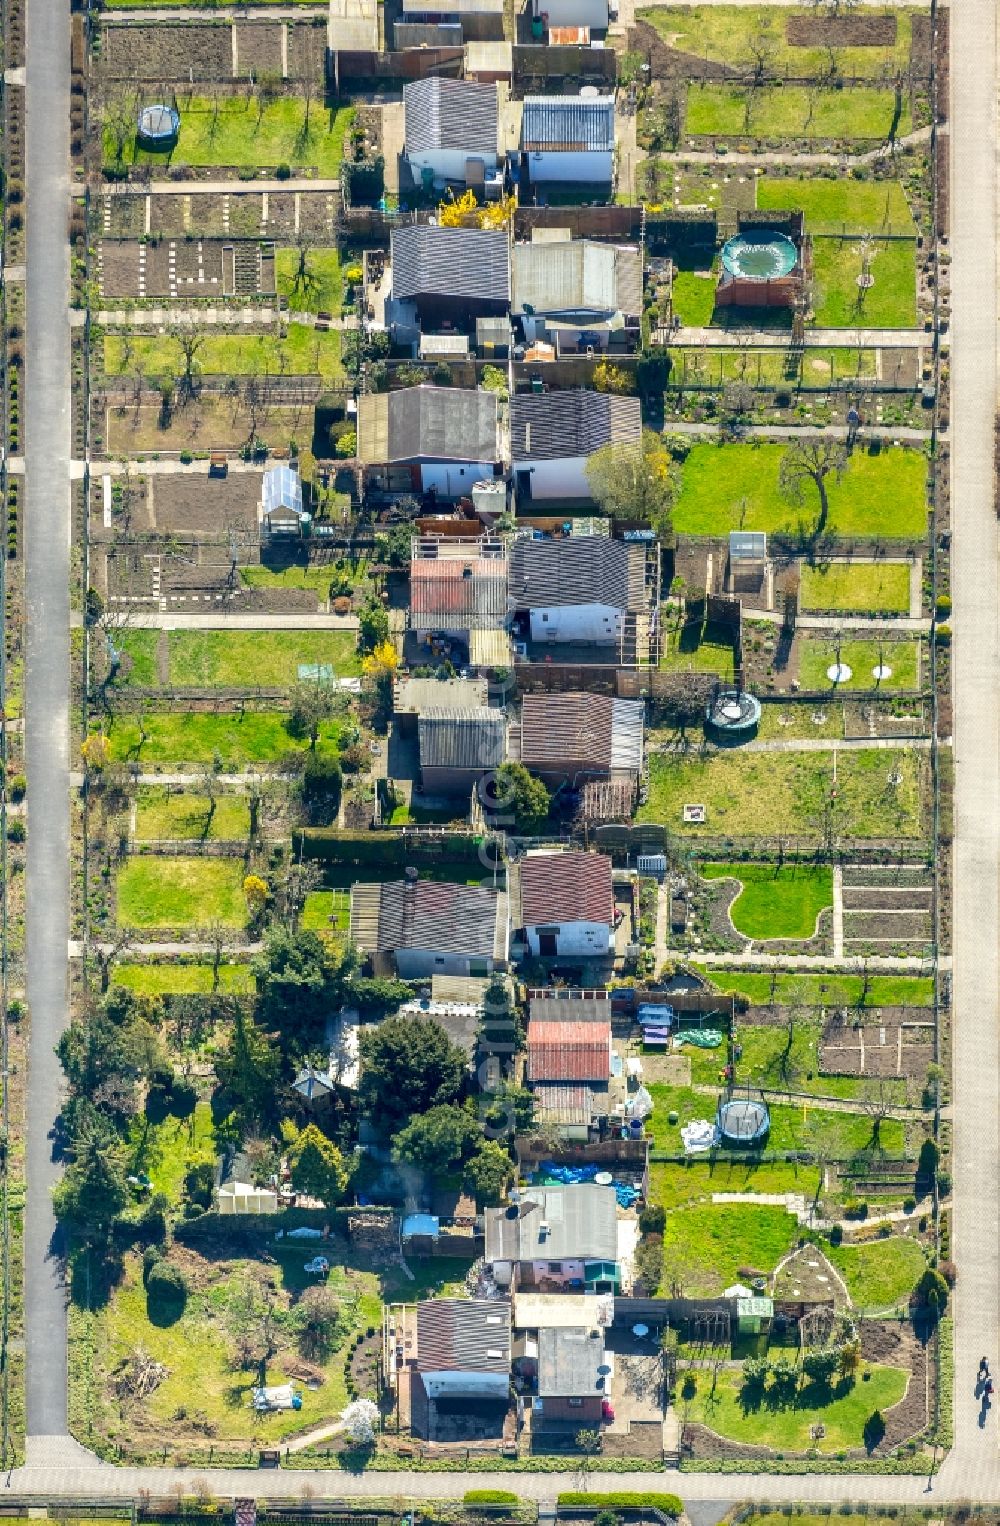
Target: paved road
x=976, y=658
x=47, y=540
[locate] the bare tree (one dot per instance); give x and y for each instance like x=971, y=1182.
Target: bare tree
x=191, y=344
x=106, y=956
x=210, y=786
x=812, y=461
x=760, y=51
x=877, y=1105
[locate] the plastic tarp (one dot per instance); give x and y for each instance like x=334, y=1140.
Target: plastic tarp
x=703, y=1038
x=305, y=1233
x=641, y=1105
x=281, y=1396
x=655, y=1016
x=421, y=1224
x=699, y=1136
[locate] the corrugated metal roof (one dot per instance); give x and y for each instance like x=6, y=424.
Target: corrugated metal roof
x=469, y=920
x=628, y=719
x=569, y=1006
x=489, y=648
x=557, y=727
x=463, y=1335
x=458, y=594
x=585, y=569
x=747, y=545
x=565, y=887
x=450, y=114
x=475, y=739
x=427, y=423
x=576, y=277
x=450, y=262
x=551, y=426
x=567, y=1363
x=579, y=1221
x=566, y=1102
x=578, y=1051
x=568, y=123
x=453, y=7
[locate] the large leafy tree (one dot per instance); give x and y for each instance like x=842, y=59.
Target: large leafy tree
x=438, y=1139
x=299, y=979
x=317, y=1166
x=521, y=795
x=636, y=481
x=93, y=1191
x=409, y=1065
x=488, y=1170
x=248, y=1068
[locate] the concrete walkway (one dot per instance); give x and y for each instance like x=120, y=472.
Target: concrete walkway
x=48, y=526
x=227, y=13
x=898, y=623
x=799, y=432
x=975, y=666
x=851, y=338
x=217, y=620
x=752, y=957
x=222, y=187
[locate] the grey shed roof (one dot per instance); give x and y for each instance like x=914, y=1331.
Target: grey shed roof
x=450, y=113
x=575, y=276
x=553, y=426
x=281, y=489
x=580, y=1223
x=469, y=920
x=747, y=545
x=568, y=123
x=463, y=1335
x=474, y=739
x=567, y=1005
x=430, y=423
x=568, y=1361
x=472, y=263
x=606, y=732
x=311, y=1084
x=585, y=569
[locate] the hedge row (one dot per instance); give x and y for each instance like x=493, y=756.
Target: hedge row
x=669, y=1504
x=386, y=848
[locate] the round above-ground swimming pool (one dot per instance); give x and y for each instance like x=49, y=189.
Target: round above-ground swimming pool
x=760, y=254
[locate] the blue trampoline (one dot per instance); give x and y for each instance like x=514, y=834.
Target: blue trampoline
x=158, y=125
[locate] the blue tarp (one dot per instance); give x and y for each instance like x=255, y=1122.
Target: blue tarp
x=551, y=1175
x=421, y=1224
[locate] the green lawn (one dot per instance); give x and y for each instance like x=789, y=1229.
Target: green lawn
x=843, y=1411
x=302, y=351
x=706, y=1245
x=755, y=794
x=792, y=111
x=235, y=659
x=890, y=303
x=735, y=486
x=139, y=649
x=315, y=579
x=694, y=297
x=770, y=1063
x=776, y=901
x=246, y=134
x=696, y=649
x=176, y=979
x=862, y=657
x=320, y=290
x=830, y=990
x=880, y=1273
x=871, y=587
x=673, y=1186
x=841, y=205
x=817, y=366
x=722, y=33
x=190, y=738
x=162, y=1150
x=181, y=892
x=326, y=911
x=840, y=1136
x=165, y=813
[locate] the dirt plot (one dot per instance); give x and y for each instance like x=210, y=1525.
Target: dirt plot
x=167, y=213
x=876, y=1047
x=877, y=721
x=900, y=368
x=841, y=31
x=245, y=215
x=281, y=212
x=897, y=1344
x=204, y=506
x=317, y=213
x=921, y=44
x=307, y=50
x=118, y=269
x=206, y=216
x=258, y=47
x=212, y=423
x=672, y=63
x=123, y=215
x=167, y=51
